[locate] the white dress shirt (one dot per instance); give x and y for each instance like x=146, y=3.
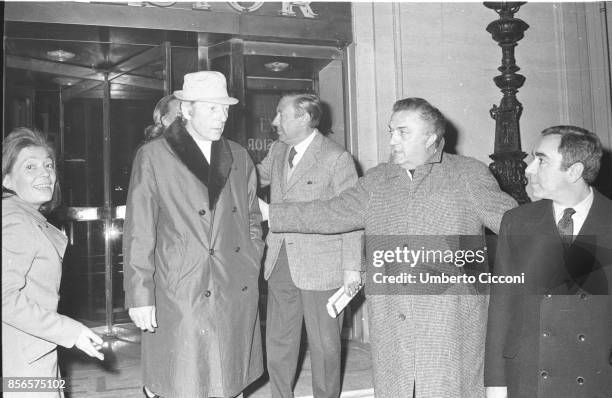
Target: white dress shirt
x=299, y=152
x=205, y=146
x=582, y=210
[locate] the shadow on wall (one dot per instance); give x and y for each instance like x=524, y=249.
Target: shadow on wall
x=603, y=183
x=325, y=124
x=450, y=138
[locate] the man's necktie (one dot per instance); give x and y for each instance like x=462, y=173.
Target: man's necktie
x=566, y=226
x=292, y=154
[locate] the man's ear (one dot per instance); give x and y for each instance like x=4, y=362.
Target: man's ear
x=186, y=110
x=7, y=182
x=575, y=171
x=305, y=118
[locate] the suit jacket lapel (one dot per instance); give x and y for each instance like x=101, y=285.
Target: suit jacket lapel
x=548, y=259
x=582, y=256
x=212, y=176
x=308, y=160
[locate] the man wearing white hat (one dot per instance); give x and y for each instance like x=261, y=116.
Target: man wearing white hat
x=192, y=252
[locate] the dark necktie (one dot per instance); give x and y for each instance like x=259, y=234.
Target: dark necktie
x=292, y=154
x=566, y=226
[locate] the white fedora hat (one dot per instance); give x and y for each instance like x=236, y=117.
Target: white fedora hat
x=207, y=86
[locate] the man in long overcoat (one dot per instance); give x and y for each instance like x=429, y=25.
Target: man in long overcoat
x=431, y=345
x=192, y=251
x=552, y=335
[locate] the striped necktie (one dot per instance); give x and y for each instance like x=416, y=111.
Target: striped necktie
x=292, y=154
x=566, y=226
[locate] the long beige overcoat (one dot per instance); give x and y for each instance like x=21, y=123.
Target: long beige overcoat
x=192, y=248
x=32, y=251
x=431, y=343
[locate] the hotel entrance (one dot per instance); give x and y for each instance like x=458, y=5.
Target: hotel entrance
x=89, y=76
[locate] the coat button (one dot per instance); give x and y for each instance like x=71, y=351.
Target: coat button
x=580, y=381
x=544, y=374
x=402, y=317
x=207, y=293
x=581, y=338
x=237, y=249
x=211, y=252
x=202, y=212
x=244, y=289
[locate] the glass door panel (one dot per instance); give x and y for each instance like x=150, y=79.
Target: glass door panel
x=103, y=127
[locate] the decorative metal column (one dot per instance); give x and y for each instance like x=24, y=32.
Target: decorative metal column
x=508, y=165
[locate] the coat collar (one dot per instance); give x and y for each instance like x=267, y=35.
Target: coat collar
x=593, y=224
x=213, y=176
x=57, y=238
x=24, y=206
x=395, y=171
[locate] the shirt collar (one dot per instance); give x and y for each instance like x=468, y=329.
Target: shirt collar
x=303, y=145
x=581, y=208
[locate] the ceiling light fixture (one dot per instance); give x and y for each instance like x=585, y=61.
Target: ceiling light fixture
x=276, y=66
x=60, y=55
x=66, y=81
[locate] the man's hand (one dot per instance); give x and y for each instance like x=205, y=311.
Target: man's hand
x=352, y=280
x=89, y=343
x=265, y=209
x=144, y=317
x=497, y=392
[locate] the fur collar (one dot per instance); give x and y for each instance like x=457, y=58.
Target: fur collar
x=213, y=176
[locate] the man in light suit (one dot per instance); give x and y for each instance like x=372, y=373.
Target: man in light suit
x=304, y=270
x=552, y=335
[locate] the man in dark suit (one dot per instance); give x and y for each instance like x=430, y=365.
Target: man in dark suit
x=304, y=270
x=552, y=335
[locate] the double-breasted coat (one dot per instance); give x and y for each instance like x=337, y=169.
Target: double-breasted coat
x=552, y=335
x=433, y=344
x=32, y=251
x=192, y=248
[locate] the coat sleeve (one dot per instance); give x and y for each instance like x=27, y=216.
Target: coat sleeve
x=264, y=168
x=255, y=218
x=19, y=310
x=342, y=213
x=487, y=200
x=344, y=177
x=500, y=310
x=139, y=232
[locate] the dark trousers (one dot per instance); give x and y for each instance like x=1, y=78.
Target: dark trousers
x=287, y=306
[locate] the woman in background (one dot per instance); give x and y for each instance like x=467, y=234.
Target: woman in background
x=32, y=251
x=165, y=112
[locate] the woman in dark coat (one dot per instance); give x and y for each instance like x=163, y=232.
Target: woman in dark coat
x=32, y=251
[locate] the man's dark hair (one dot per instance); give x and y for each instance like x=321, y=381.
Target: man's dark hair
x=428, y=113
x=307, y=103
x=578, y=145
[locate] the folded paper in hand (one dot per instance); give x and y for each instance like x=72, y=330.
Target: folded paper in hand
x=339, y=300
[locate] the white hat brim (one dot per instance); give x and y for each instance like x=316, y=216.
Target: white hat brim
x=181, y=95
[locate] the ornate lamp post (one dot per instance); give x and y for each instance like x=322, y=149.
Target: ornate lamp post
x=508, y=165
